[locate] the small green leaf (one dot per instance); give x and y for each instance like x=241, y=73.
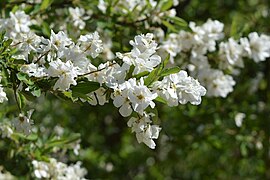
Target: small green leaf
x=24, y=78
x=160, y=99
x=178, y=21
x=166, y=4
x=45, y=4
x=142, y=74
x=169, y=71
x=28, y=95
x=46, y=30
x=166, y=60
x=36, y=92
x=62, y=141
x=169, y=26
x=85, y=87
x=7, y=42
x=21, y=100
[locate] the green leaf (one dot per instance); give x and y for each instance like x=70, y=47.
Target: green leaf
x=21, y=100
x=169, y=71
x=28, y=95
x=178, y=21
x=46, y=30
x=142, y=74
x=129, y=74
x=31, y=137
x=169, y=26
x=76, y=95
x=160, y=99
x=166, y=61
x=36, y=92
x=24, y=78
x=166, y=4
x=155, y=74
x=151, y=77
x=62, y=141
x=85, y=87
x=7, y=42
x=45, y=4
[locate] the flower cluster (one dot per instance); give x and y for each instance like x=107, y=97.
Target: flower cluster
x=133, y=84
x=3, y=95
x=204, y=51
x=58, y=170
x=145, y=132
x=180, y=88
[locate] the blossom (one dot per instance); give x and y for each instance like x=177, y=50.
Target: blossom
x=33, y=70
x=59, y=42
x=180, y=87
x=66, y=73
x=3, y=95
x=77, y=15
x=58, y=170
x=6, y=130
x=23, y=123
x=142, y=56
x=130, y=96
x=216, y=83
x=259, y=46
x=230, y=54
x=239, y=117
x=140, y=96
x=145, y=132
x=20, y=21
x=91, y=44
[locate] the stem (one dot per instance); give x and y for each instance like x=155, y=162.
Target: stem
x=96, y=70
x=16, y=97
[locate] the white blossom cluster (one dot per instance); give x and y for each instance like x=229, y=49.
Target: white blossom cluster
x=141, y=9
x=58, y=170
x=126, y=6
x=180, y=88
x=202, y=42
x=6, y=130
x=3, y=95
x=78, y=17
x=145, y=132
x=63, y=60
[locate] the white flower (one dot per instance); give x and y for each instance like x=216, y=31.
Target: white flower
x=60, y=42
x=58, y=170
x=180, y=87
x=20, y=21
x=140, y=96
x=239, y=117
x=142, y=56
x=77, y=15
x=102, y=5
x=3, y=95
x=259, y=46
x=23, y=123
x=33, y=70
x=145, y=132
x=6, y=130
x=66, y=73
x=216, y=83
x=230, y=54
x=91, y=44
x=120, y=99
x=41, y=169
